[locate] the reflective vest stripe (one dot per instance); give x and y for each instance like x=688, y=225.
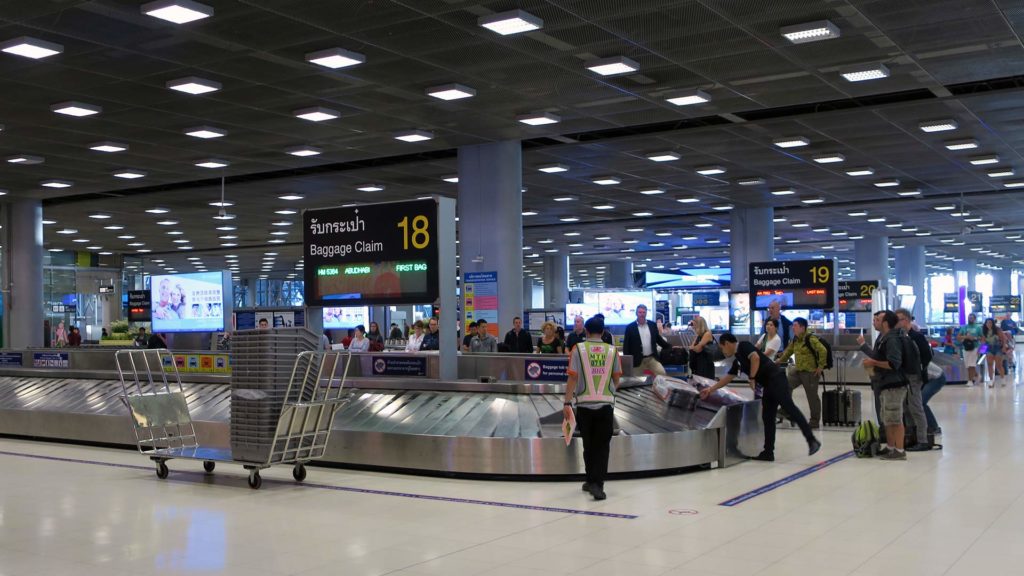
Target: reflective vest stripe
x=597, y=361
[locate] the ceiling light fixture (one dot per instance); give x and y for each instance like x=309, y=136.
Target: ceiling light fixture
x=371, y=188
x=31, y=47
x=414, y=135
x=606, y=180
x=722, y=206
x=539, y=118
x=56, y=184
x=335, y=58
x=1001, y=173
x=454, y=179
x=938, y=125
x=687, y=199
x=792, y=142
x=511, y=22
x=783, y=192
x=77, y=109
x=964, y=144
x=100, y=216
x=107, y=146
x=613, y=66
x=129, y=174
x=863, y=72
x=810, y=32
x=856, y=213
x=862, y=171
x=983, y=160
x=830, y=158
x=888, y=183
x=157, y=210
x=167, y=222
x=194, y=85
x=710, y=170
x=687, y=97
x=1013, y=184
x=603, y=206
x=652, y=191
x=25, y=159
x=205, y=132
x=663, y=156
x=909, y=192
x=553, y=168
x=750, y=181
x=177, y=11
x=451, y=92
x=304, y=151
x=113, y=227
x=316, y=113
x=213, y=163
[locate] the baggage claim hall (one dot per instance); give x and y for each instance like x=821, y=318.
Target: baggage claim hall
x=511, y=287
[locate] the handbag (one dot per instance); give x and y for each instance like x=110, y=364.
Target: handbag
x=970, y=345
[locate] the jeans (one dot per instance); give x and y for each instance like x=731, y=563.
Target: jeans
x=931, y=388
x=778, y=393
x=596, y=427
x=915, y=409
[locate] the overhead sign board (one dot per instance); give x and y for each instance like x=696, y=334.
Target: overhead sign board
x=800, y=284
x=140, y=309
x=707, y=298
x=855, y=295
x=950, y=303
x=1004, y=304
x=371, y=254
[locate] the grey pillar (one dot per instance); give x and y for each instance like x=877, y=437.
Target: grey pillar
x=910, y=271
x=968, y=266
x=490, y=209
x=25, y=274
x=1001, y=282
x=556, y=281
x=528, y=292
x=872, y=257
x=752, y=239
x=250, y=291
x=620, y=274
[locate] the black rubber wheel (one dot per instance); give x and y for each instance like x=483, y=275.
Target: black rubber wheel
x=161, y=470
x=209, y=466
x=255, y=481
x=299, y=472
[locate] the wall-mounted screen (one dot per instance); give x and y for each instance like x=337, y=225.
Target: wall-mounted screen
x=692, y=278
x=346, y=317
x=197, y=302
x=619, y=308
x=574, y=310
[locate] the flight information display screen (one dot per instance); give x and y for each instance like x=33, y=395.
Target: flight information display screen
x=372, y=280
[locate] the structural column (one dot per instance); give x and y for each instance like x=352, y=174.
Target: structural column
x=490, y=209
x=968, y=268
x=556, y=281
x=752, y=239
x=620, y=274
x=910, y=271
x=528, y=292
x=24, y=302
x=872, y=256
x=1001, y=282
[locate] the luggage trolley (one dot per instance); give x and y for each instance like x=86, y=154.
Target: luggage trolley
x=298, y=432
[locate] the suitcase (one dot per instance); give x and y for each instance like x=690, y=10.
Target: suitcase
x=675, y=356
x=683, y=398
x=841, y=407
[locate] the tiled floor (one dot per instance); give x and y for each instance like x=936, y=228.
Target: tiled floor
x=958, y=512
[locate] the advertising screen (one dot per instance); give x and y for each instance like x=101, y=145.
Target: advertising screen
x=695, y=278
x=574, y=310
x=189, y=302
x=348, y=317
x=619, y=308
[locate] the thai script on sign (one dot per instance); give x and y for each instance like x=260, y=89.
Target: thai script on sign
x=356, y=224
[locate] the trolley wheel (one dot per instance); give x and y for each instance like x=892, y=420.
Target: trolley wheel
x=254, y=480
x=209, y=466
x=161, y=470
x=299, y=472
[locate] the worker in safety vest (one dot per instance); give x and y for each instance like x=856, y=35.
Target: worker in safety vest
x=594, y=371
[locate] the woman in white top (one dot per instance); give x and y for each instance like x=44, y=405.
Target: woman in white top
x=416, y=338
x=360, y=343
x=770, y=342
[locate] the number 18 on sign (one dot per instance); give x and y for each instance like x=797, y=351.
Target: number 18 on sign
x=799, y=284
x=371, y=254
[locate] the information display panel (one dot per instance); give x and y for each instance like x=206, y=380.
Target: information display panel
x=950, y=303
x=855, y=295
x=1004, y=304
x=371, y=254
x=805, y=284
x=619, y=308
x=139, y=306
x=193, y=302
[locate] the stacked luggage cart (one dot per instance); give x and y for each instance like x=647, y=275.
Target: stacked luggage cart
x=284, y=396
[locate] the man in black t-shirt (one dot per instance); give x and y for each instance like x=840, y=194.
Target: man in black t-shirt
x=761, y=370
x=468, y=338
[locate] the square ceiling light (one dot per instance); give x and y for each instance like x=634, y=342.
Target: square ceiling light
x=887, y=183
x=316, y=114
x=964, y=144
x=755, y=181
x=453, y=178
x=606, y=180
x=652, y=191
x=29, y=47
x=553, y=168
x=909, y=192
x=25, y=159
x=205, y=132
x=213, y=163
x=177, y=11
x=938, y=125
x=511, y=22
x=1000, y=173
x=56, y=184
x=108, y=146
x=77, y=109
x=830, y=158
x=813, y=200
x=983, y=160
x=539, y=118
x=371, y=188
x=862, y=171
x=723, y=206
x=792, y=142
x=335, y=58
x=603, y=206
x=194, y=85
x=613, y=66
x=710, y=170
x=451, y=92
x=129, y=174
x=687, y=97
x=863, y=72
x=304, y=151
x=687, y=199
x=783, y=192
x=1013, y=184
x=810, y=32
x=663, y=156
x=414, y=135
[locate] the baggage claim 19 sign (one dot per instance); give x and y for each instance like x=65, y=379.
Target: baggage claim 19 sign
x=371, y=254
x=799, y=284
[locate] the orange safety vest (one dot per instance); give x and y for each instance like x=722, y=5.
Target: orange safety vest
x=597, y=361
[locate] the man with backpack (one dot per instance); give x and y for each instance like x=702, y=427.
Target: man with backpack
x=812, y=359
x=884, y=362
x=919, y=354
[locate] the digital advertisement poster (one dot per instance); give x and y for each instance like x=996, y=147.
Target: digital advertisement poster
x=347, y=317
x=188, y=302
x=619, y=308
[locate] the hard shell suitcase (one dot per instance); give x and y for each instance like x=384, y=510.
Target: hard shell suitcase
x=841, y=407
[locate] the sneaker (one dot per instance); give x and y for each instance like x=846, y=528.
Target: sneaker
x=936, y=432
x=919, y=447
x=598, y=492
x=813, y=447
x=894, y=455
x=970, y=383
x=882, y=452
x=765, y=457
x=991, y=384
x=586, y=486
x=815, y=426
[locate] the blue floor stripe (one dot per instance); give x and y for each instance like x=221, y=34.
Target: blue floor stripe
x=783, y=481
x=349, y=489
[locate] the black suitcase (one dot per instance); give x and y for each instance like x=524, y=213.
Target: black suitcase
x=684, y=399
x=841, y=407
x=675, y=356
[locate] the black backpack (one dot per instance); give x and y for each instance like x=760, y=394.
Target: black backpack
x=911, y=356
x=828, y=349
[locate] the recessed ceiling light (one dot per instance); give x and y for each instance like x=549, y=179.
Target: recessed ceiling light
x=335, y=58
x=228, y=244
x=1013, y=184
x=184, y=247
x=857, y=213
x=710, y=170
x=553, y=168
x=810, y=32
x=281, y=223
x=56, y=184
x=965, y=144
x=126, y=237
x=100, y=216
x=222, y=203
x=1001, y=173
x=922, y=234
x=158, y=210
x=224, y=216
x=25, y=159
x=862, y=171
x=830, y=158
x=181, y=241
x=279, y=233
x=820, y=229
x=603, y=206
x=687, y=199
x=945, y=207
x=106, y=253
x=813, y=200
x=285, y=212
x=177, y=11
x=67, y=231
x=613, y=66
x=652, y=191
x=643, y=214
x=663, y=156
x=722, y=206
x=371, y=188
x=511, y=22
x=316, y=113
x=113, y=227
x=756, y=181
x=687, y=97
x=205, y=132
x=31, y=47
x=894, y=225
x=862, y=72
x=54, y=249
x=227, y=228
x=174, y=232
x=454, y=179
x=779, y=219
x=888, y=183
x=909, y=192
x=77, y=109
x=194, y=85
x=304, y=151
x=108, y=146
x=414, y=135
x=539, y=118
x=986, y=225
x=213, y=163
x=129, y=174
x=783, y=192
x=983, y=160
x=938, y=125
x=800, y=224
x=703, y=224
x=136, y=244
x=530, y=212
x=167, y=222
x=792, y=142
x=569, y=219
x=451, y=92
x=606, y=180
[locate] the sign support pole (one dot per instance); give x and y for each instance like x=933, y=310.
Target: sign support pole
x=448, y=367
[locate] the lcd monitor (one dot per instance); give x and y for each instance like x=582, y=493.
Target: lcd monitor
x=195, y=302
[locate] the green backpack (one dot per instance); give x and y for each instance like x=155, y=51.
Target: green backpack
x=866, y=440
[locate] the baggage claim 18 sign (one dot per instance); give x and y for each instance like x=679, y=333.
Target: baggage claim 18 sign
x=799, y=284
x=371, y=254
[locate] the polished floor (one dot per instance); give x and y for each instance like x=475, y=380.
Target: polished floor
x=73, y=510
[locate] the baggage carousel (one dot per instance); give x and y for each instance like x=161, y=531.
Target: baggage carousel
x=459, y=428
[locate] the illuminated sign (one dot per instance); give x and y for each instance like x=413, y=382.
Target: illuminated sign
x=800, y=284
